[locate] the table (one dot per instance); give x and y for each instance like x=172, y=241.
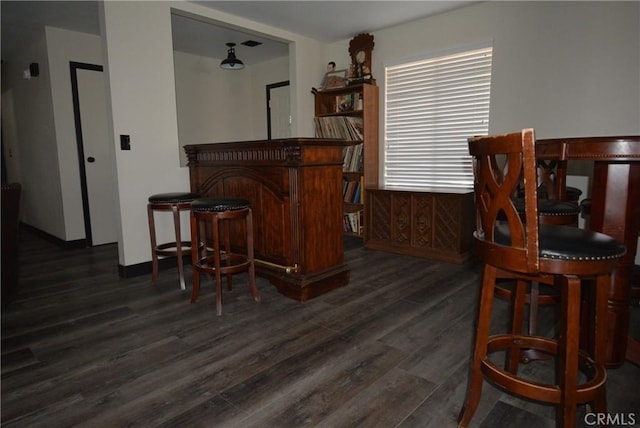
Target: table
x=615, y=211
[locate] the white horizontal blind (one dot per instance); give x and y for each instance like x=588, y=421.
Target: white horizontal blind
x=432, y=107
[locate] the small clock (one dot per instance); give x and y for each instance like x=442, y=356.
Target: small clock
x=360, y=48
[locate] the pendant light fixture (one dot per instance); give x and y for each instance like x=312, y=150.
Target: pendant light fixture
x=231, y=63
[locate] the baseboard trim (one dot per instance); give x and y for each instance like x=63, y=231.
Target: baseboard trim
x=67, y=245
x=145, y=268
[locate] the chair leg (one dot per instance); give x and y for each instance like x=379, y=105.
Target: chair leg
x=152, y=236
x=227, y=248
x=250, y=256
x=600, y=325
x=528, y=355
x=534, y=294
x=216, y=259
x=517, y=318
x=568, y=347
x=176, y=225
x=195, y=254
x=483, y=325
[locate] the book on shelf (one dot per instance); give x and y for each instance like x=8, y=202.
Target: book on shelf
x=341, y=127
x=344, y=128
x=351, y=222
x=352, y=191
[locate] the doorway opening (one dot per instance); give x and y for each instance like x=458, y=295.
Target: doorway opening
x=278, y=111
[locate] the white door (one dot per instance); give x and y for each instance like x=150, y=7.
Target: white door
x=279, y=105
x=99, y=157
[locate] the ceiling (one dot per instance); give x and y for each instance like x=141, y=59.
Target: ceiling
x=327, y=21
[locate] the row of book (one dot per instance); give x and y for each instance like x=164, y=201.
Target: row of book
x=344, y=128
x=352, y=158
x=352, y=222
x=341, y=127
x=352, y=191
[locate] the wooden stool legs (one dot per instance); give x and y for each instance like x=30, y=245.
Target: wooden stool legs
x=567, y=392
x=483, y=324
x=220, y=259
x=175, y=203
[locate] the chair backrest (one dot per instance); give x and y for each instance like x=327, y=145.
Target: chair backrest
x=503, y=237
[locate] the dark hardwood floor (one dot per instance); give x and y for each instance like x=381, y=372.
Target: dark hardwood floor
x=83, y=347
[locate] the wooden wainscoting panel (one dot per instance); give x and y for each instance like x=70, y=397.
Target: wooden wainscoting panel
x=432, y=225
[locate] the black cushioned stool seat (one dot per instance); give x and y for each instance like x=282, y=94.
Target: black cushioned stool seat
x=174, y=202
x=214, y=216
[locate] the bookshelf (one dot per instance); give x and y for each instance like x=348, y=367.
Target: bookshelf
x=351, y=114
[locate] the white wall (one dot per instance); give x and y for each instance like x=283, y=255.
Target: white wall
x=564, y=68
x=216, y=105
x=139, y=67
x=31, y=140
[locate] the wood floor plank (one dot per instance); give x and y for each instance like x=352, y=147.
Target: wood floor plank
x=384, y=404
x=306, y=400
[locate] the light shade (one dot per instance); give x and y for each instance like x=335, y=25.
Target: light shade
x=231, y=63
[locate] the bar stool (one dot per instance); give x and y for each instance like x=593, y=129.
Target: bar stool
x=529, y=251
x=174, y=202
x=214, y=215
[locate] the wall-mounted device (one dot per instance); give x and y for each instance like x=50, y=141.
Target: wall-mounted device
x=32, y=71
x=125, y=142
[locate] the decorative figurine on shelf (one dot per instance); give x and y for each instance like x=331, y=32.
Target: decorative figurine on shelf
x=333, y=78
x=360, y=48
x=331, y=67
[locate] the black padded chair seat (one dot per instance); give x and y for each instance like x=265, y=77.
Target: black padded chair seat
x=219, y=204
x=550, y=207
x=173, y=198
x=569, y=243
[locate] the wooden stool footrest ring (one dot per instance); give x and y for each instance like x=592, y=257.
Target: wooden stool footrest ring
x=586, y=392
x=230, y=263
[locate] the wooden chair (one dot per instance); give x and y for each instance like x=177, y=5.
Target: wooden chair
x=529, y=251
x=213, y=215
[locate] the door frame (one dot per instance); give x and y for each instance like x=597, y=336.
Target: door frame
x=269, y=88
x=74, y=66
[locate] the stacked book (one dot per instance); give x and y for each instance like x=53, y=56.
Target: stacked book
x=352, y=222
x=352, y=191
x=343, y=128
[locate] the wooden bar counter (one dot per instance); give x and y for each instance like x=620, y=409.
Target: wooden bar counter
x=295, y=189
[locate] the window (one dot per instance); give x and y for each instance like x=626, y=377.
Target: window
x=432, y=106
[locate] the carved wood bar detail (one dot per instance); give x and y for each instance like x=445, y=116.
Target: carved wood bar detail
x=295, y=189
